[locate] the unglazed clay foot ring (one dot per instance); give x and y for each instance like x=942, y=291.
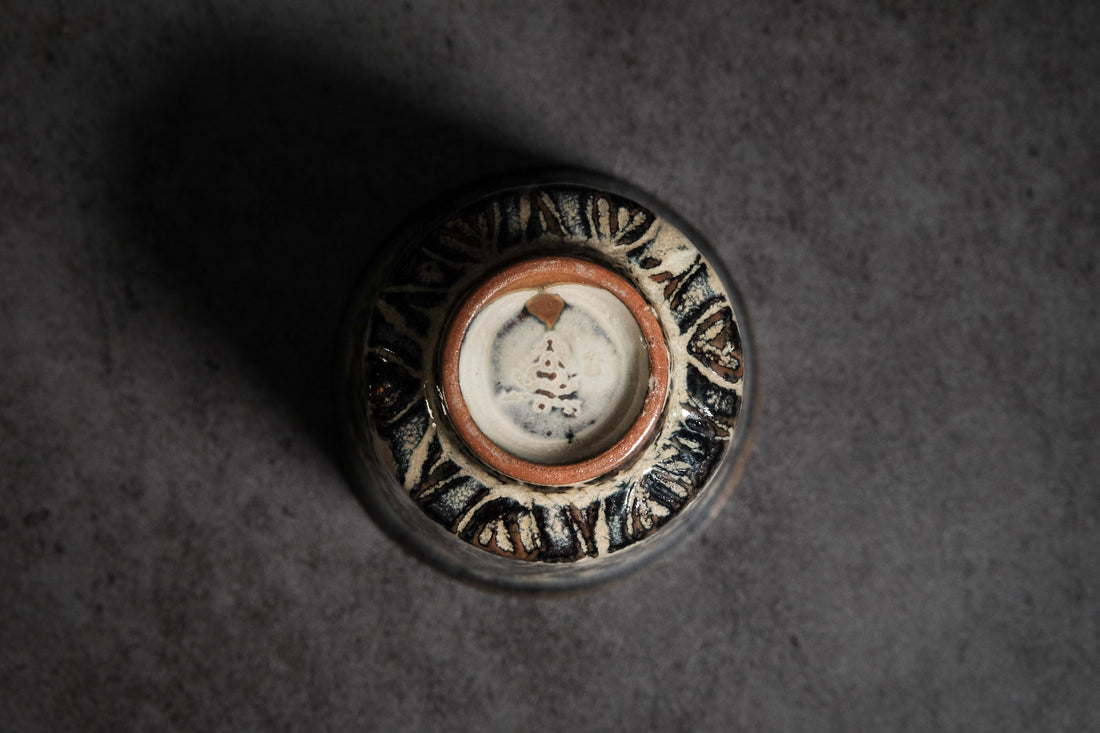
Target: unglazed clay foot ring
x=554, y=371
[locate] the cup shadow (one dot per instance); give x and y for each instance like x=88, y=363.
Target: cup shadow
x=263, y=183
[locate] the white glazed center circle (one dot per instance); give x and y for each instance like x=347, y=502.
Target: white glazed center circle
x=554, y=390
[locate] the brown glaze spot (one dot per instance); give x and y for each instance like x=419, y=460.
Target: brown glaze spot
x=546, y=307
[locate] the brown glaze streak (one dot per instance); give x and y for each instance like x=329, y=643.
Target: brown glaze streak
x=721, y=352
x=544, y=272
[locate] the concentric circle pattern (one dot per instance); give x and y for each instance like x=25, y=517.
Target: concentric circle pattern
x=399, y=346
x=554, y=371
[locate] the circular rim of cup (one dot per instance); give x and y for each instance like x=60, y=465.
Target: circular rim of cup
x=387, y=502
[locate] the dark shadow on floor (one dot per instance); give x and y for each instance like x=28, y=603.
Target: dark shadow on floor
x=263, y=182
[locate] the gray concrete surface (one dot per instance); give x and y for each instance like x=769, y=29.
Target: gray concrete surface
x=907, y=193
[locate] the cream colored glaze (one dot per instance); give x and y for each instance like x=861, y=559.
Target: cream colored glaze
x=554, y=395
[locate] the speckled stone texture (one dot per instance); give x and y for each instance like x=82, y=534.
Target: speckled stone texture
x=907, y=193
